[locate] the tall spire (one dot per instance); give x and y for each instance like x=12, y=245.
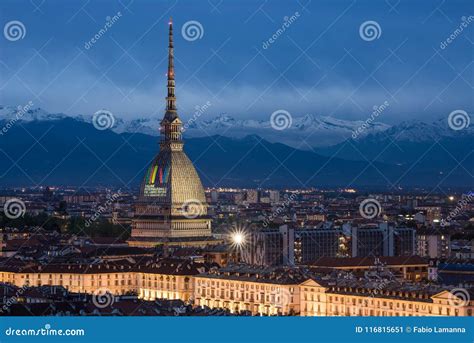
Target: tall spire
x=171, y=125
x=171, y=99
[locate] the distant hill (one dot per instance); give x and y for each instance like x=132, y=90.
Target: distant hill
x=67, y=151
x=428, y=150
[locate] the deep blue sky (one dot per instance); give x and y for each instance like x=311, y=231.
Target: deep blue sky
x=339, y=74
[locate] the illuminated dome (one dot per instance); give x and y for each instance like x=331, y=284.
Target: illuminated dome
x=172, y=179
x=172, y=204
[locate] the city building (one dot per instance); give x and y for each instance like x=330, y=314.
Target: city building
x=167, y=278
x=413, y=268
x=383, y=240
x=433, y=243
x=259, y=290
x=353, y=298
x=454, y=272
x=311, y=244
x=269, y=247
x=432, y=213
x=370, y=241
x=402, y=241
x=172, y=207
x=252, y=196
x=274, y=196
x=243, y=289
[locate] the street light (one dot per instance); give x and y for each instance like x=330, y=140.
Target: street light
x=238, y=238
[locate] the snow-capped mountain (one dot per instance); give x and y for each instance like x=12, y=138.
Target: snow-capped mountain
x=27, y=113
x=410, y=153
x=441, y=144
x=417, y=131
x=303, y=132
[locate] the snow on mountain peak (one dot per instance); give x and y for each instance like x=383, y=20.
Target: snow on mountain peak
x=313, y=130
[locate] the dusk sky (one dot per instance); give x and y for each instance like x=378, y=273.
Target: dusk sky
x=319, y=65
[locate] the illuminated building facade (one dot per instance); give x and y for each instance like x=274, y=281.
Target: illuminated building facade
x=157, y=279
x=257, y=290
x=249, y=289
x=351, y=299
x=172, y=206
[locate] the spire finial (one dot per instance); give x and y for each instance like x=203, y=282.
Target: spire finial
x=170, y=127
x=171, y=101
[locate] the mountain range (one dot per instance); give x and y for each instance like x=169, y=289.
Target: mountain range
x=48, y=149
x=316, y=130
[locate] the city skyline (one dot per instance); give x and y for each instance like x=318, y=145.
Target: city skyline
x=252, y=159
